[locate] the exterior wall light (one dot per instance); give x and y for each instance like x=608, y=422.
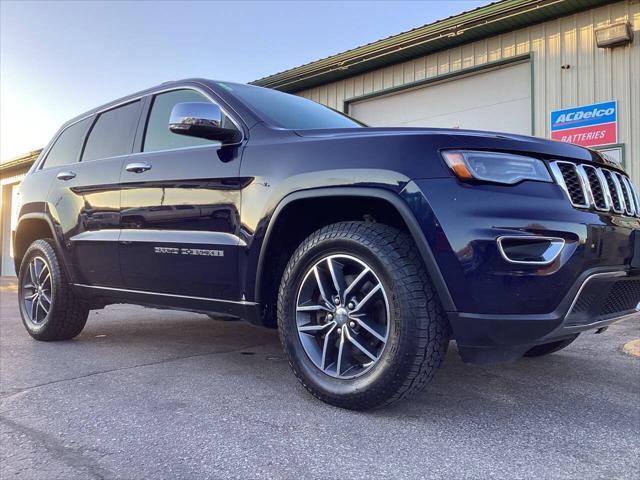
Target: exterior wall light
x=614, y=35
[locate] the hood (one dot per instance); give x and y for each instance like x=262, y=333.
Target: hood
x=473, y=139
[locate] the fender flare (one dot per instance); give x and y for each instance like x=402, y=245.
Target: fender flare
x=396, y=201
x=49, y=222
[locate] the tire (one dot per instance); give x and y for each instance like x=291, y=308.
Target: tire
x=549, y=348
x=405, y=311
x=66, y=314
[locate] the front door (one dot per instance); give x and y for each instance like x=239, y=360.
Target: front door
x=179, y=214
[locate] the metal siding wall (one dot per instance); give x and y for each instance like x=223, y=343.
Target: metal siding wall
x=595, y=74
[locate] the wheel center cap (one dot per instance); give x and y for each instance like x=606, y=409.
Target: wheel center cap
x=342, y=315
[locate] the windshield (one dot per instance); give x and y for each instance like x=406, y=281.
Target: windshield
x=289, y=111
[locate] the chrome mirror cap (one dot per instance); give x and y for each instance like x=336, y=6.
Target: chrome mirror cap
x=202, y=120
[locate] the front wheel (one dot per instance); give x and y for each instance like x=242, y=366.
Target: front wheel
x=49, y=308
x=359, y=317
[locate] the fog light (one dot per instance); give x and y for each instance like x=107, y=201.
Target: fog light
x=531, y=250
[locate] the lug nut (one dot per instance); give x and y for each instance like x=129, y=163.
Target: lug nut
x=352, y=324
x=336, y=300
x=351, y=306
x=329, y=317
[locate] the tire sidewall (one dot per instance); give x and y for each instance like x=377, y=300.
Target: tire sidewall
x=388, y=369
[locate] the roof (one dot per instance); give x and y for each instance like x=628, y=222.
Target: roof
x=482, y=22
x=19, y=164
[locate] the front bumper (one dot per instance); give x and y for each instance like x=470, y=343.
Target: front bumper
x=502, y=309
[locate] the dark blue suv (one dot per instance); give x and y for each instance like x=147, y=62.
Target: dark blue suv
x=369, y=248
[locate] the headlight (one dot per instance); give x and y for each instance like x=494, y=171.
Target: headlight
x=495, y=167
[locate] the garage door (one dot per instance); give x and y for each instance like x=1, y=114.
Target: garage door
x=498, y=100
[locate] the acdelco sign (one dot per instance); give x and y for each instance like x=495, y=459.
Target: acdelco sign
x=588, y=125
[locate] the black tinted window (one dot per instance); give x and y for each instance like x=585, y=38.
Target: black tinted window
x=113, y=132
x=289, y=111
x=158, y=136
x=67, y=147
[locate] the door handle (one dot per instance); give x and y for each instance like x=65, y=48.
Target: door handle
x=68, y=175
x=138, y=167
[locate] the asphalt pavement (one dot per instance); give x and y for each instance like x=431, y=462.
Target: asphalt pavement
x=146, y=393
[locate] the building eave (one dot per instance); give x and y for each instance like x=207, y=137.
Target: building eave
x=482, y=22
x=18, y=165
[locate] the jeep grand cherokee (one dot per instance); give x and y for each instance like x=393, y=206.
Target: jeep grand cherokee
x=369, y=248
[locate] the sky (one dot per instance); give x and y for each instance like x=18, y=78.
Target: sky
x=59, y=59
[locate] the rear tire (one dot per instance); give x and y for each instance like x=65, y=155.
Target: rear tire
x=549, y=348
x=49, y=308
x=410, y=337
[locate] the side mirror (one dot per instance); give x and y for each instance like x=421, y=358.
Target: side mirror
x=202, y=120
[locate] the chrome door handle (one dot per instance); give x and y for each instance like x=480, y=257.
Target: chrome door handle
x=138, y=167
x=68, y=175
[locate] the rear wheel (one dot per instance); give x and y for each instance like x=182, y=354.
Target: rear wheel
x=359, y=317
x=49, y=308
x=549, y=348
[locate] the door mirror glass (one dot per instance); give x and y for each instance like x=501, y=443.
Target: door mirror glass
x=202, y=120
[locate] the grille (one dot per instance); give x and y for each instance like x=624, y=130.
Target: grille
x=623, y=296
x=594, y=187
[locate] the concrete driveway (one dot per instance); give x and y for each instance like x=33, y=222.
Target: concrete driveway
x=144, y=393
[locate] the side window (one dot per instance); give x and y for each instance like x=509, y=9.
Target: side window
x=67, y=147
x=113, y=132
x=158, y=136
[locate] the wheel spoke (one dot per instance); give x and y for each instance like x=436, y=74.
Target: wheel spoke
x=34, y=309
x=46, y=279
x=312, y=308
x=337, y=277
x=41, y=305
x=360, y=347
x=367, y=297
x=32, y=273
x=313, y=328
x=325, y=347
x=355, y=282
x=31, y=296
x=46, y=298
x=323, y=294
x=369, y=329
x=43, y=269
x=340, y=354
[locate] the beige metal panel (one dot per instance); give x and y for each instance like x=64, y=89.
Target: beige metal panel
x=595, y=74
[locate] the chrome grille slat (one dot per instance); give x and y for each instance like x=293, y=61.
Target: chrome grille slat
x=602, y=189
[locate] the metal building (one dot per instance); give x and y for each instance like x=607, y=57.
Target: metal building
x=508, y=66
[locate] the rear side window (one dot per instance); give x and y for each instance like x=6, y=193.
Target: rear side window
x=113, y=132
x=67, y=147
x=158, y=136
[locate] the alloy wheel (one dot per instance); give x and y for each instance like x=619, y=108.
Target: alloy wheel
x=342, y=316
x=37, y=291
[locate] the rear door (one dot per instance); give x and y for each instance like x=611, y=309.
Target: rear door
x=180, y=204
x=85, y=198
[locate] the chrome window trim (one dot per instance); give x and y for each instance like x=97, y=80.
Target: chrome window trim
x=195, y=87
x=555, y=241
x=172, y=295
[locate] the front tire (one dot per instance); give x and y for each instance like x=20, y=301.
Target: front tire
x=49, y=308
x=359, y=317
